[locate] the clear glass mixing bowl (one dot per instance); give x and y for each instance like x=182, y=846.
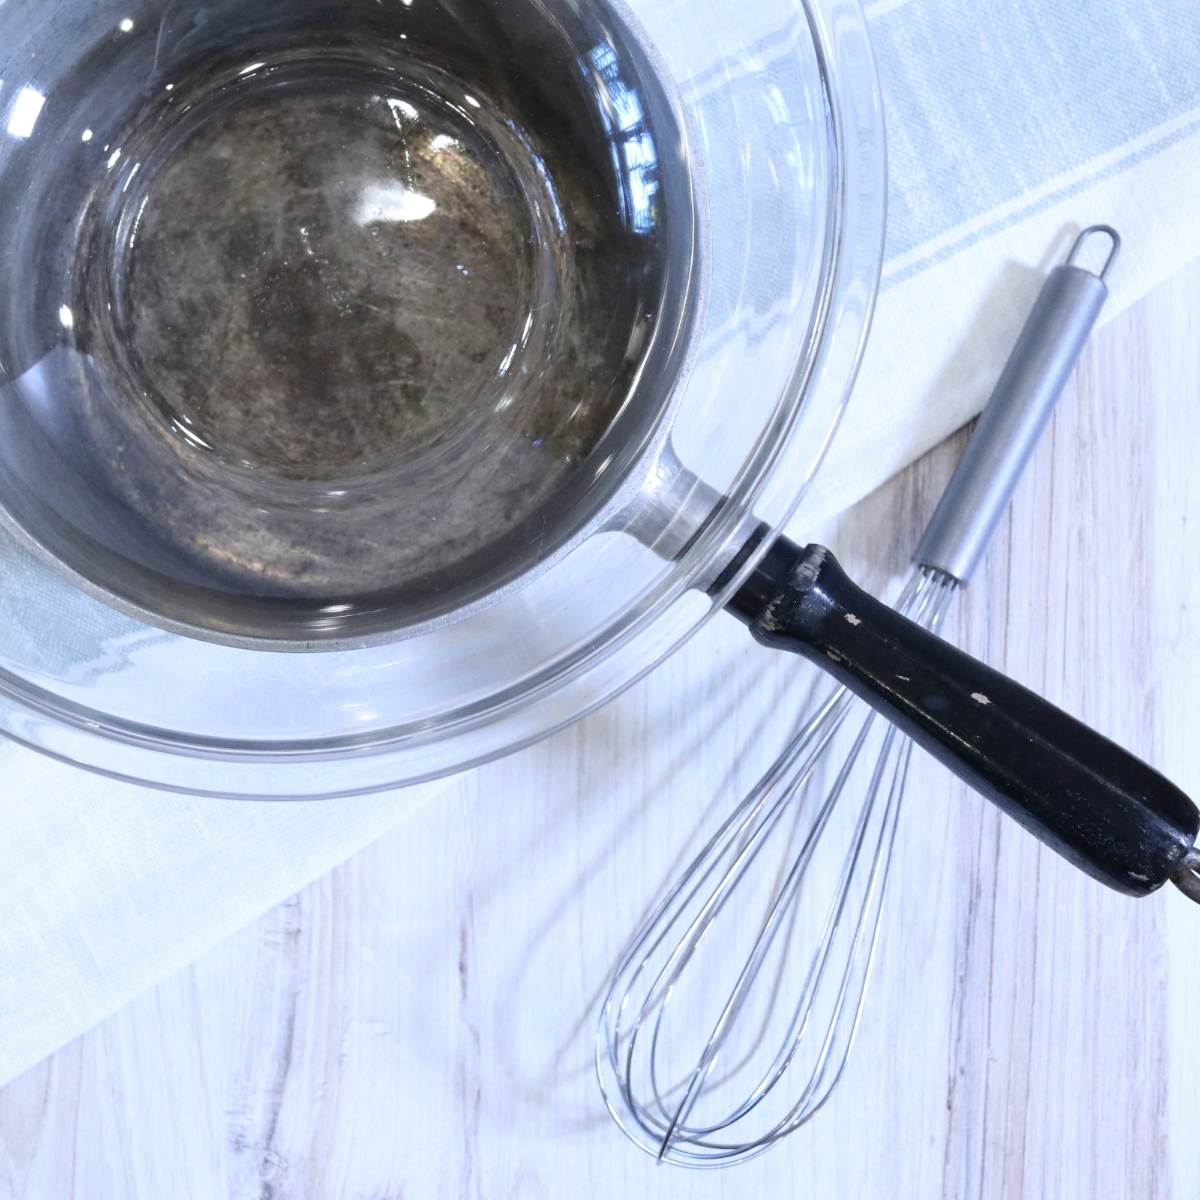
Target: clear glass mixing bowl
x=784, y=147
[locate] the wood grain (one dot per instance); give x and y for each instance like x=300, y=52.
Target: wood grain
x=419, y=1023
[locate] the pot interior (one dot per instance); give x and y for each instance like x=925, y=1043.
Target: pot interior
x=323, y=321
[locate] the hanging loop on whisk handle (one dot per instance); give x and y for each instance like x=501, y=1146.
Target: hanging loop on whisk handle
x=1096, y=804
x=1008, y=431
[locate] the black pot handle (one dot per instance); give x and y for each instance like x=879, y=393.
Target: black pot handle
x=1098, y=806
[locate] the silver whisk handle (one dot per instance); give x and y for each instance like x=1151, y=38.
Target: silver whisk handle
x=1011, y=424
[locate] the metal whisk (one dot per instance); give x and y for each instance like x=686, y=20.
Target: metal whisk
x=788, y=990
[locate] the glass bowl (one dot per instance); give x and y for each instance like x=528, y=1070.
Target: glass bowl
x=783, y=144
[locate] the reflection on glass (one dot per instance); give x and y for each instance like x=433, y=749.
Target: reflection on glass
x=633, y=148
x=402, y=111
x=392, y=201
x=26, y=109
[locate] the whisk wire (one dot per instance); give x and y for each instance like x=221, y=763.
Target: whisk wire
x=662, y=1123
x=822, y=954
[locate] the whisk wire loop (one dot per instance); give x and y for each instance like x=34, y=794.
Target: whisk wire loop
x=655, y=1104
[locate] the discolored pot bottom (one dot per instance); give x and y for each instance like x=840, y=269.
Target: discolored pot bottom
x=357, y=309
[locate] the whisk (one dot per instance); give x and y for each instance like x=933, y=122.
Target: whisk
x=788, y=990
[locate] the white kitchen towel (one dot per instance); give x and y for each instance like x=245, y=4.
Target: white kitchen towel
x=1012, y=124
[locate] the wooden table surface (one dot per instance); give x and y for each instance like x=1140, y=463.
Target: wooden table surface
x=419, y=1023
